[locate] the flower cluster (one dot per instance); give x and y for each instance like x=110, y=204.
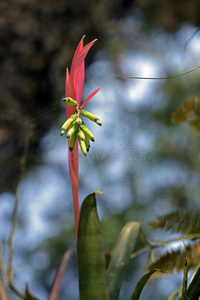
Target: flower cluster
x=76, y=128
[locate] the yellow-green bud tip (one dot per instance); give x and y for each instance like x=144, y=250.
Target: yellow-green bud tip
x=62, y=131
x=98, y=121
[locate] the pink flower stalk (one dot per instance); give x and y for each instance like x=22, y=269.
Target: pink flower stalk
x=74, y=89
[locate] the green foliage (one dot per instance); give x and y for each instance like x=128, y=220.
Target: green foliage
x=174, y=260
x=121, y=257
x=90, y=252
x=193, y=291
x=188, y=111
x=141, y=284
x=181, y=222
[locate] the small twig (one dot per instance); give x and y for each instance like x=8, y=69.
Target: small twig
x=55, y=289
x=78, y=111
x=168, y=77
x=157, y=244
x=191, y=37
x=140, y=251
x=3, y=294
x=3, y=269
x=178, y=292
x=18, y=292
x=14, y=215
x=185, y=276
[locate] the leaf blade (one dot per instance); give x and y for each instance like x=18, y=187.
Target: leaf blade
x=91, y=259
x=193, y=288
x=141, y=283
x=120, y=258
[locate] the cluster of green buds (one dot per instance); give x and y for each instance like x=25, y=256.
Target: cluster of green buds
x=76, y=128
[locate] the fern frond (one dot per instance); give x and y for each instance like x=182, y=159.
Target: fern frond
x=178, y=221
x=174, y=260
x=184, y=111
x=169, y=262
x=195, y=123
x=191, y=108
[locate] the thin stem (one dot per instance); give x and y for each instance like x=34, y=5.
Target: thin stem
x=20, y=294
x=191, y=38
x=156, y=244
x=3, y=269
x=185, y=274
x=55, y=288
x=3, y=293
x=178, y=292
x=186, y=237
x=78, y=111
x=14, y=215
x=4, y=283
x=168, y=77
x=140, y=251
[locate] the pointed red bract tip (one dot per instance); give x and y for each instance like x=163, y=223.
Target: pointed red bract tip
x=89, y=97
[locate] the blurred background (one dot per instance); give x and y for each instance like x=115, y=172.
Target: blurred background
x=146, y=165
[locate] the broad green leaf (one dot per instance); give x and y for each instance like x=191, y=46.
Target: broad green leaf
x=91, y=258
x=120, y=258
x=194, y=288
x=141, y=283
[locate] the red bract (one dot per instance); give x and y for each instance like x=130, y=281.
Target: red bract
x=74, y=89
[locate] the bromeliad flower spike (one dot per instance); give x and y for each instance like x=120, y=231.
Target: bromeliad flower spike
x=76, y=130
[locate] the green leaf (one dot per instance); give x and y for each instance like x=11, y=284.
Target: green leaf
x=141, y=283
x=179, y=221
x=120, y=258
x=91, y=259
x=193, y=291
